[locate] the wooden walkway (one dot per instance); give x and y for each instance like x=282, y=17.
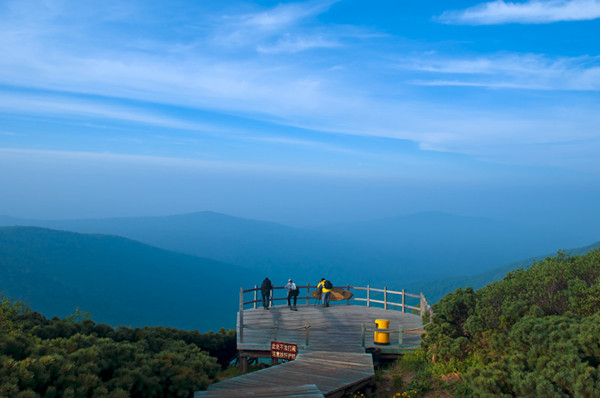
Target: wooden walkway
x=311, y=374
x=332, y=344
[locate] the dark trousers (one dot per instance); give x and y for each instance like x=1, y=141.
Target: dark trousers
x=290, y=296
x=326, y=299
x=266, y=297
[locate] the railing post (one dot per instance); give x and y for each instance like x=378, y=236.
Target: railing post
x=422, y=306
x=255, y=295
x=271, y=298
x=348, y=300
x=403, y=301
x=400, y=336
x=385, y=298
x=362, y=335
x=241, y=314
x=307, y=293
x=368, y=295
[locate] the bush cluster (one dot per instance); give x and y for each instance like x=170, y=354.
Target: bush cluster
x=534, y=333
x=75, y=357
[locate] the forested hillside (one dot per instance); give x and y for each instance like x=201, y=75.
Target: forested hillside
x=75, y=357
x=120, y=281
x=279, y=251
x=534, y=333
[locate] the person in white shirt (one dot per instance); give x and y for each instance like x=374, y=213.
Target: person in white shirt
x=292, y=293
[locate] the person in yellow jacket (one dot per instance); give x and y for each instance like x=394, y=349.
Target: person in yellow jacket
x=325, y=287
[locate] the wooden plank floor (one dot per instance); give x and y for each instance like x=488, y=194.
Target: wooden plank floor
x=333, y=362
x=336, y=328
x=300, y=391
x=331, y=373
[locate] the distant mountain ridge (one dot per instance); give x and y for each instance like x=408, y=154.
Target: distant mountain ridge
x=118, y=280
x=274, y=250
x=395, y=250
x=127, y=282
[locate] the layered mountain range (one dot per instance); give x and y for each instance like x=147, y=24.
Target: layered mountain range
x=186, y=270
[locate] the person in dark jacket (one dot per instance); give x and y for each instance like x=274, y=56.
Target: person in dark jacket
x=265, y=289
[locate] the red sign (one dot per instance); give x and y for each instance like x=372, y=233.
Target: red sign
x=283, y=350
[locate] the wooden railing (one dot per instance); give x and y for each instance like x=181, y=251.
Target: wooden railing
x=389, y=299
x=372, y=297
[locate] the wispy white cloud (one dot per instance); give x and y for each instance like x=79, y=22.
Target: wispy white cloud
x=516, y=71
x=187, y=164
x=78, y=108
x=289, y=26
x=288, y=44
x=530, y=12
x=284, y=15
x=311, y=144
x=261, y=77
x=111, y=157
x=198, y=76
x=85, y=110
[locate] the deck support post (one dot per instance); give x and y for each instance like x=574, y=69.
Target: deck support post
x=255, y=295
x=403, y=301
x=244, y=364
x=241, y=331
x=368, y=295
x=385, y=298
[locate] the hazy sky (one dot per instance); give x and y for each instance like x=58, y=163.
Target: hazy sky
x=300, y=112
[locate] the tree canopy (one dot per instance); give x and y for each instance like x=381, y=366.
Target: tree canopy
x=75, y=357
x=534, y=333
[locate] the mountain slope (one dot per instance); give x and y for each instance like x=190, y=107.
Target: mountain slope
x=274, y=250
x=434, y=290
x=119, y=280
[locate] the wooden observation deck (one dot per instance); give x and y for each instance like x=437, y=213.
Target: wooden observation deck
x=335, y=344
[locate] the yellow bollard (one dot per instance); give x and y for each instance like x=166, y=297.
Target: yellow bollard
x=382, y=338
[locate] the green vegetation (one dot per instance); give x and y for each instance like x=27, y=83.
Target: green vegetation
x=413, y=376
x=534, y=333
x=75, y=357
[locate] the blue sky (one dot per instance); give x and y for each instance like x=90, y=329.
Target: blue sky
x=300, y=112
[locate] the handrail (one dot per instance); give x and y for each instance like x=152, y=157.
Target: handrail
x=384, y=290
x=423, y=306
